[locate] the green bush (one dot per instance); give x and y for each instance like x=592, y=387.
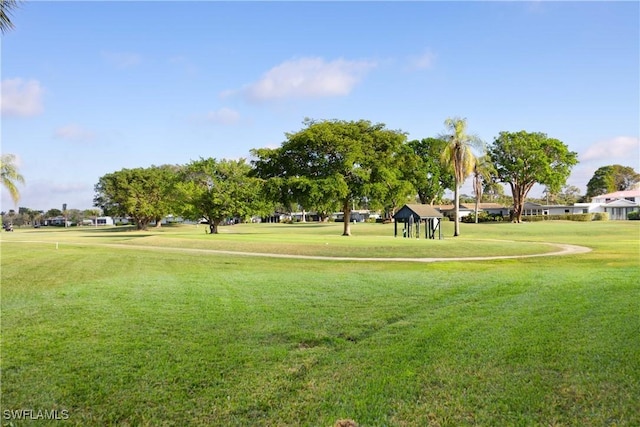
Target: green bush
x=483, y=217
x=535, y=218
x=563, y=217
x=586, y=217
x=635, y=215
x=601, y=216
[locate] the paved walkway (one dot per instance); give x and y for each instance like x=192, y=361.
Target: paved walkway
x=564, y=249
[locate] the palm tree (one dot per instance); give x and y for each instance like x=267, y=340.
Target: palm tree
x=459, y=156
x=483, y=170
x=6, y=7
x=9, y=175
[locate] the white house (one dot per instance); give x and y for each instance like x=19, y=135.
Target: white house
x=531, y=208
x=618, y=204
x=469, y=208
x=104, y=220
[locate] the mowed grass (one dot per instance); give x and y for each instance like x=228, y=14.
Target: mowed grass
x=310, y=239
x=130, y=336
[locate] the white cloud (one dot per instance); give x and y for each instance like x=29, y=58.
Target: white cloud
x=306, y=78
x=618, y=148
x=223, y=116
x=21, y=98
x=74, y=133
x=423, y=61
x=122, y=59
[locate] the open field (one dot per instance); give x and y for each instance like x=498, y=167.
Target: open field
x=128, y=335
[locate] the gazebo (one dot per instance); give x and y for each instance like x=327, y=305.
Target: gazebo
x=412, y=215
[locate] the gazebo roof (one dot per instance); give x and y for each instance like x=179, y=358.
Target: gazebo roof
x=417, y=211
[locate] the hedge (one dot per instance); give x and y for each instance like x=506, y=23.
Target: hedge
x=564, y=217
x=601, y=216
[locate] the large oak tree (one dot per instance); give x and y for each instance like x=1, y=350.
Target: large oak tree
x=219, y=190
x=611, y=178
x=523, y=159
x=143, y=194
x=343, y=161
x=429, y=175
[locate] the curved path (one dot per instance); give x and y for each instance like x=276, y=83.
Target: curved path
x=564, y=249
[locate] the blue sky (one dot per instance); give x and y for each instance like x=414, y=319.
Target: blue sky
x=89, y=88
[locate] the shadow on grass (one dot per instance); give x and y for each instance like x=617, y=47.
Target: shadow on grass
x=117, y=229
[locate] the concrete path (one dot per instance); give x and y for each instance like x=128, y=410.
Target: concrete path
x=564, y=249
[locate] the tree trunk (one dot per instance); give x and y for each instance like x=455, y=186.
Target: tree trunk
x=304, y=215
x=141, y=222
x=456, y=211
x=519, y=212
x=213, y=227
x=158, y=222
x=519, y=194
x=346, y=210
x=476, y=210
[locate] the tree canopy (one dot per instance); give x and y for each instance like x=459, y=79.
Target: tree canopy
x=523, y=159
x=611, y=178
x=219, y=190
x=429, y=175
x=338, y=160
x=144, y=194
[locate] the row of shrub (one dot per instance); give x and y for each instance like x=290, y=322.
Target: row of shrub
x=635, y=215
x=585, y=217
x=483, y=217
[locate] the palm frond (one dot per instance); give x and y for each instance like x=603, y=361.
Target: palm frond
x=6, y=9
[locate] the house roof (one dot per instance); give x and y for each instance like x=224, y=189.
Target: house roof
x=531, y=205
x=444, y=208
x=619, y=194
x=417, y=211
x=491, y=206
x=470, y=206
x=621, y=203
x=481, y=206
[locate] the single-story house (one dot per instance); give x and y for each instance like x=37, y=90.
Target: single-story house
x=357, y=215
x=469, y=208
x=305, y=216
x=58, y=221
x=617, y=204
x=104, y=220
x=276, y=217
x=629, y=195
x=491, y=208
x=449, y=210
x=531, y=208
x=620, y=209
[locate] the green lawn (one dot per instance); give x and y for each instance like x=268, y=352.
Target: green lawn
x=119, y=335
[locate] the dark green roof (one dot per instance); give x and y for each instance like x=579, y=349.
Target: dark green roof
x=417, y=211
